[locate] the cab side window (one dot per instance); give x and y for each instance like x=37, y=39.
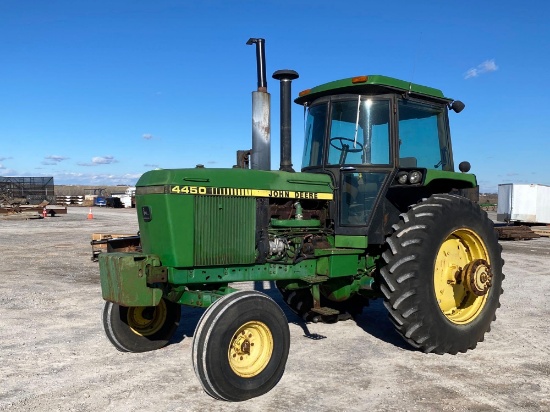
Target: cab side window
x=423, y=136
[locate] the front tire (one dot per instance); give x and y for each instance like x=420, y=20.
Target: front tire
x=443, y=275
x=141, y=329
x=240, y=346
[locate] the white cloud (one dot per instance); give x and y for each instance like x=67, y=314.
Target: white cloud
x=71, y=178
x=148, y=136
x=486, y=67
x=55, y=159
x=100, y=160
x=5, y=158
x=9, y=172
x=103, y=160
x=2, y=166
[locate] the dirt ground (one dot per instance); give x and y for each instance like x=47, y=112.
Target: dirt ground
x=55, y=356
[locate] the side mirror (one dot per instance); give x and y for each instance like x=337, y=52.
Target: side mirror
x=457, y=106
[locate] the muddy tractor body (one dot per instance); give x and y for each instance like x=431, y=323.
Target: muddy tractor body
x=377, y=211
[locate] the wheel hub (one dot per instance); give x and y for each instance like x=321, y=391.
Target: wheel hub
x=462, y=276
x=241, y=344
x=146, y=321
x=250, y=349
x=476, y=277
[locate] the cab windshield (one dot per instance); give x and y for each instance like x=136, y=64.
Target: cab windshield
x=359, y=133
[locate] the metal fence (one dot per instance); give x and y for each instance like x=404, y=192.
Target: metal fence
x=33, y=189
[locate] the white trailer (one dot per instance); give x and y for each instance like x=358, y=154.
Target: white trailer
x=128, y=199
x=528, y=203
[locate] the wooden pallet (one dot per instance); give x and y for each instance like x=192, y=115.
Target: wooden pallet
x=100, y=240
x=541, y=230
x=515, y=233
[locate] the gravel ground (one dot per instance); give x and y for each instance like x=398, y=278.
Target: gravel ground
x=54, y=354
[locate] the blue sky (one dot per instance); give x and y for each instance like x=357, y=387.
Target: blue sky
x=98, y=92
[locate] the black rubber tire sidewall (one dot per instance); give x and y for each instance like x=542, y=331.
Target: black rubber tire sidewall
x=212, y=364
x=115, y=323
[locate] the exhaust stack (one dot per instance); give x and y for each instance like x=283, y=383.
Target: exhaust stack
x=260, y=158
x=286, y=77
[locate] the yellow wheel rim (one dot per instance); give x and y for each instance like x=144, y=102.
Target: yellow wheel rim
x=146, y=320
x=462, y=276
x=250, y=349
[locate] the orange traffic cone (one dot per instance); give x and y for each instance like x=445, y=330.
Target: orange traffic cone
x=90, y=214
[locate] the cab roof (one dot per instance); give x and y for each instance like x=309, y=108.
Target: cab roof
x=371, y=84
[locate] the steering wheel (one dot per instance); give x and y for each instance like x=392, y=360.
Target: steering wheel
x=343, y=146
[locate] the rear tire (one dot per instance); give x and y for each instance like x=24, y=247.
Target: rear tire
x=240, y=347
x=443, y=275
x=141, y=329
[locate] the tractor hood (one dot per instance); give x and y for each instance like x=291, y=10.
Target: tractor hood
x=235, y=182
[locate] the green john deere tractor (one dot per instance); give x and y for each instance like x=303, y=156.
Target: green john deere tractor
x=376, y=212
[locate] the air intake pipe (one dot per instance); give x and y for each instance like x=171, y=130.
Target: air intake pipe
x=260, y=158
x=285, y=77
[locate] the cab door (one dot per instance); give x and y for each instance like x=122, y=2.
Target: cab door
x=359, y=155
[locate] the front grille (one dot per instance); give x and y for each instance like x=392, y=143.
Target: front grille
x=224, y=230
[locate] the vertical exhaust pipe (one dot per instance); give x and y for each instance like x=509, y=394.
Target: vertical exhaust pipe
x=260, y=62
x=260, y=158
x=286, y=77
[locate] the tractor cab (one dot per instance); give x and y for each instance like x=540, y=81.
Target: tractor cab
x=373, y=134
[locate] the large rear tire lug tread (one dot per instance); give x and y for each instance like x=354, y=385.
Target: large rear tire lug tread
x=396, y=325
x=404, y=277
x=422, y=339
x=404, y=296
x=407, y=230
x=385, y=291
x=409, y=242
x=412, y=329
x=392, y=248
x=389, y=282
x=435, y=206
x=412, y=318
x=397, y=320
x=400, y=262
x=412, y=343
x=409, y=312
x=430, y=349
x=425, y=214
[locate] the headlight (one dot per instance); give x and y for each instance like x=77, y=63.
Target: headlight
x=402, y=177
x=415, y=177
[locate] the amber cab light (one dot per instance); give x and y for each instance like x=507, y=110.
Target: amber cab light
x=359, y=79
x=304, y=92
